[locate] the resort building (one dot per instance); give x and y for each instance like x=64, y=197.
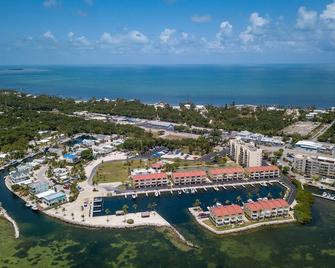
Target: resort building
x=224, y=174
x=38, y=187
x=54, y=198
x=150, y=180
x=189, y=177
x=314, y=165
x=266, y=209
x=263, y=172
x=313, y=146
x=259, y=138
x=245, y=154
x=222, y=215
x=20, y=175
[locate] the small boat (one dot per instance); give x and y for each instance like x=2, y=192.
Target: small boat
x=28, y=205
x=171, y=191
x=324, y=194
x=156, y=194
x=186, y=191
x=250, y=200
x=34, y=208
x=146, y=193
x=218, y=204
x=134, y=196
x=192, y=190
x=179, y=192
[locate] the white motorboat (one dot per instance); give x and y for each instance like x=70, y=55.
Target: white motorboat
x=28, y=205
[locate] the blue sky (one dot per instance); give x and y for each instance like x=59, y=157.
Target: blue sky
x=167, y=31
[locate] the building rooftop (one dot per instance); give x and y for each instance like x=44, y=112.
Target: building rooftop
x=191, y=173
x=161, y=175
x=261, y=169
x=221, y=211
x=54, y=196
x=267, y=204
x=226, y=170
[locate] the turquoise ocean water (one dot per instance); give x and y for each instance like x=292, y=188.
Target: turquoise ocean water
x=298, y=85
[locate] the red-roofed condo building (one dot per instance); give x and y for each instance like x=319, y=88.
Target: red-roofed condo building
x=266, y=209
x=189, y=177
x=263, y=172
x=224, y=174
x=150, y=180
x=222, y=215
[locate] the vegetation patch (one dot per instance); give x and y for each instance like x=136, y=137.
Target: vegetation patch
x=305, y=199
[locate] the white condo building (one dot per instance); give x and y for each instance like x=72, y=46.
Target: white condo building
x=245, y=154
x=314, y=165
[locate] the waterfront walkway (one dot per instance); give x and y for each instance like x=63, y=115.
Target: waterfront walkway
x=4, y=213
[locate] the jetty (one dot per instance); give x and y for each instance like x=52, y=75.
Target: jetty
x=4, y=213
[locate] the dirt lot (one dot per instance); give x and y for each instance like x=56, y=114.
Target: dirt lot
x=302, y=127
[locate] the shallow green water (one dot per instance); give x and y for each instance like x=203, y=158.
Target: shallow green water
x=47, y=242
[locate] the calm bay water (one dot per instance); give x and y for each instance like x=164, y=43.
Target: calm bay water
x=46, y=242
x=301, y=85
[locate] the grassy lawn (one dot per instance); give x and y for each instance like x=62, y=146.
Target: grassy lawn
x=118, y=171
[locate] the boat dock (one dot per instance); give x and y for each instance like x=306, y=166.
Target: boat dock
x=193, y=188
x=325, y=195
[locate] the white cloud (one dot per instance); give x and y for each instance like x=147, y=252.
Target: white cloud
x=184, y=35
x=256, y=28
x=49, y=36
x=328, y=16
x=50, y=3
x=225, y=30
x=257, y=21
x=129, y=37
x=166, y=35
x=201, y=18
x=137, y=37
x=80, y=41
x=107, y=39
x=307, y=19
x=70, y=35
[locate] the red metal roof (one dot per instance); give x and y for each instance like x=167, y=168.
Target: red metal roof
x=267, y=204
x=261, y=169
x=221, y=211
x=161, y=175
x=191, y=173
x=226, y=170
x=157, y=165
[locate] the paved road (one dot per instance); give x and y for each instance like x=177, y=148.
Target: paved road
x=322, y=130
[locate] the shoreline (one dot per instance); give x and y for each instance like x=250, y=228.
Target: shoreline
x=155, y=219
x=171, y=103
x=5, y=214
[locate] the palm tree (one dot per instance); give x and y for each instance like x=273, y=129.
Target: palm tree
x=135, y=207
x=64, y=209
x=125, y=210
x=107, y=212
x=154, y=205
x=72, y=215
x=197, y=203
x=238, y=199
x=83, y=217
